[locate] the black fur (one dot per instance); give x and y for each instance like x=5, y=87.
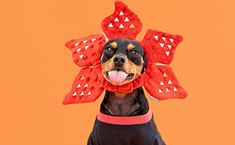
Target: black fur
x=121, y=49
x=133, y=104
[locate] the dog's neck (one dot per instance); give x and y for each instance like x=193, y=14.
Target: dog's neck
x=125, y=104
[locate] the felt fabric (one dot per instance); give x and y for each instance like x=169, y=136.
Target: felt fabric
x=123, y=23
x=158, y=79
x=160, y=46
x=86, y=51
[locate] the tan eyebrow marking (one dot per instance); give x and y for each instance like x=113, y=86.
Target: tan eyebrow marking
x=114, y=44
x=130, y=46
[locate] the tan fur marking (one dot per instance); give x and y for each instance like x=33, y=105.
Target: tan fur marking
x=130, y=46
x=107, y=66
x=114, y=44
x=128, y=67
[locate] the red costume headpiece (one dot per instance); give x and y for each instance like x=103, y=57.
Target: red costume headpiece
x=159, y=47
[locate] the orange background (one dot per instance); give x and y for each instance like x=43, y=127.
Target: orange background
x=37, y=70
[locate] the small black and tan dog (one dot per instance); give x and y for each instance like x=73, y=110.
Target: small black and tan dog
x=123, y=60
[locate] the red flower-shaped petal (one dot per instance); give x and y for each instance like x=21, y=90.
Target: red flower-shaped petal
x=86, y=51
x=86, y=87
x=123, y=23
x=160, y=46
x=161, y=83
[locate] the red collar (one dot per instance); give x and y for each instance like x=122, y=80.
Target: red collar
x=125, y=120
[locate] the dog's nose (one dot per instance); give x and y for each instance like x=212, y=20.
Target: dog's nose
x=119, y=60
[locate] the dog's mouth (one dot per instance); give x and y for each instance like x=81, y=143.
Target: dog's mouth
x=118, y=76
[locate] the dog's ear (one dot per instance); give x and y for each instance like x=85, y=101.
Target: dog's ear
x=145, y=63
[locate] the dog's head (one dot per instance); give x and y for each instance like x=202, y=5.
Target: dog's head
x=123, y=60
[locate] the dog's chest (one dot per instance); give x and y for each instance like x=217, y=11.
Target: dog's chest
x=138, y=134
x=122, y=108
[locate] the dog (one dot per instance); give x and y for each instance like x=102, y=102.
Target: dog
x=124, y=118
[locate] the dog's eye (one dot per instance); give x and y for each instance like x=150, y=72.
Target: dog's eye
x=134, y=52
x=109, y=51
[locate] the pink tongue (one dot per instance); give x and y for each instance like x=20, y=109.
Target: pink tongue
x=117, y=76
